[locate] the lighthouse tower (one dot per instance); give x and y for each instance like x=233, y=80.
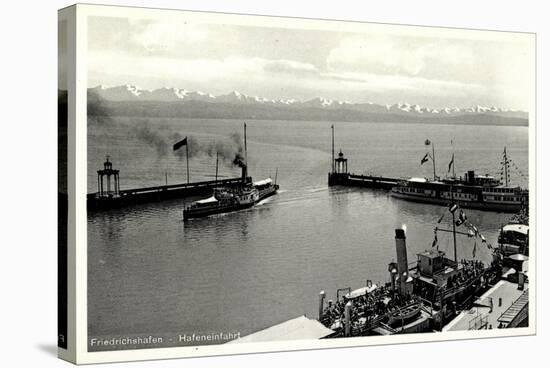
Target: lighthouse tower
x=341, y=164
x=339, y=172
x=104, y=186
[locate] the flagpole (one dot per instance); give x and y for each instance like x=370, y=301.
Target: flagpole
x=187, y=158
x=332, y=160
x=216, y=167
x=454, y=175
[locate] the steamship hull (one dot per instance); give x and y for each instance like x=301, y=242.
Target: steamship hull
x=477, y=205
x=205, y=212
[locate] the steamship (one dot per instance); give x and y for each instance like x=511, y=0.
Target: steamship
x=469, y=191
x=235, y=197
x=225, y=199
x=422, y=296
x=231, y=198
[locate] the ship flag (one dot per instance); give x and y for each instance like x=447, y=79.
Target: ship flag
x=177, y=146
x=451, y=163
x=180, y=144
x=424, y=159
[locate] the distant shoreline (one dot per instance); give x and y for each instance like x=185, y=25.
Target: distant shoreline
x=429, y=121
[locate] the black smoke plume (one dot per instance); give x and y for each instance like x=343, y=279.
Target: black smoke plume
x=227, y=148
x=239, y=161
x=154, y=139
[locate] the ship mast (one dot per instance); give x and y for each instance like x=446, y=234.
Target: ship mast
x=453, y=145
x=433, y=158
x=453, y=209
x=454, y=237
x=245, y=150
x=506, y=164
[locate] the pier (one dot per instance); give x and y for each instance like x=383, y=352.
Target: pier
x=340, y=176
x=109, y=194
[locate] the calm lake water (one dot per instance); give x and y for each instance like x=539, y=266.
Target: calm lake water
x=151, y=274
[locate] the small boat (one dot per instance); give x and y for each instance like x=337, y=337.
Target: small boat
x=514, y=239
x=360, y=292
x=404, y=314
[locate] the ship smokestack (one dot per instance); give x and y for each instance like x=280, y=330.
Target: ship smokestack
x=240, y=162
x=402, y=262
x=244, y=173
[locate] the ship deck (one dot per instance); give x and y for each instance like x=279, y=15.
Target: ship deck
x=480, y=316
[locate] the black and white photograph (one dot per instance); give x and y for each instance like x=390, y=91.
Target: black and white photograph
x=254, y=180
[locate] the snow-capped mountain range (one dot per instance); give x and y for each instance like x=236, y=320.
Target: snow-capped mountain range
x=131, y=101
x=133, y=93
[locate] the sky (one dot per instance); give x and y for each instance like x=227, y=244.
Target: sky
x=284, y=63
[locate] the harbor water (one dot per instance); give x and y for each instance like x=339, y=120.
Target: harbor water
x=149, y=273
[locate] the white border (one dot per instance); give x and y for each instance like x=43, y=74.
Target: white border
x=69, y=16
x=84, y=357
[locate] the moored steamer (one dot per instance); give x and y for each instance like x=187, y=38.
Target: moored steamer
x=469, y=191
x=420, y=297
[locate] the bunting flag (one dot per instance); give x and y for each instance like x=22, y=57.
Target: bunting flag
x=461, y=218
x=434, y=243
x=483, y=240
x=180, y=144
x=453, y=208
x=441, y=218
x=427, y=142
x=424, y=159
x=451, y=163
x=475, y=230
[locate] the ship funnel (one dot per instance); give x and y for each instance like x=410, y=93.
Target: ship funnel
x=240, y=161
x=244, y=172
x=402, y=262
